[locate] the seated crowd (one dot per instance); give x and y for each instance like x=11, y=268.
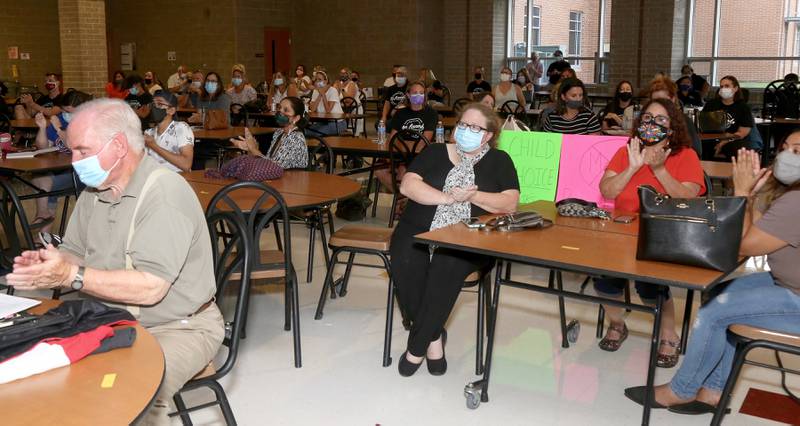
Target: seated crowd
x=118, y=145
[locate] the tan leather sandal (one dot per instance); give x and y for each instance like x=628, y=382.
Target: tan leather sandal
x=665, y=360
x=612, y=345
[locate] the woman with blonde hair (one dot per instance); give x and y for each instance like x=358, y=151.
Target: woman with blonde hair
x=240, y=91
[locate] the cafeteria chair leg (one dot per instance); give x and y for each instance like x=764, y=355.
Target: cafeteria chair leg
x=287, y=305
x=181, y=406
x=391, y=211
x=483, y=288
x=327, y=285
x=562, y=312
x=342, y=292
x=277, y=235
x=387, y=334
x=222, y=399
x=312, y=230
x=372, y=181
x=687, y=320
x=298, y=361
x=331, y=227
x=323, y=238
x=739, y=358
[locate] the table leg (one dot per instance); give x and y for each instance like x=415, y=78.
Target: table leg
x=687, y=320
x=561, y=310
x=651, y=366
x=477, y=392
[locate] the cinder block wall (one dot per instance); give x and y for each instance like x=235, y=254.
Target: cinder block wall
x=33, y=27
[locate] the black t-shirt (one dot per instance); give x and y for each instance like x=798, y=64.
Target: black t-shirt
x=138, y=101
x=494, y=173
x=737, y=114
x=698, y=82
x=420, y=121
x=475, y=87
x=46, y=101
x=395, y=95
x=613, y=108
x=692, y=99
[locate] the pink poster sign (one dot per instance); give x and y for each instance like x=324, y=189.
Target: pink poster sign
x=583, y=162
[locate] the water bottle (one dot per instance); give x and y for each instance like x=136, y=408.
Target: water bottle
x=439, y=132
x=381, y=132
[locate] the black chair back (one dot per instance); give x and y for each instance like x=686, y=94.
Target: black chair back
x=17, y=235
x=460, y=103
x=349, y=105
x=5, y=124
x=404, y=146
x=232, y=249
x=446, y=95
x=320, y=155
x=513, y=108
x=260, y=205
x=239, y=115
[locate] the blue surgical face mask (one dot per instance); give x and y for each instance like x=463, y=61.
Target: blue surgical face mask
x=134, y=91
x=89, y=170
x=278, y=81
x=211, y=86
x=467, y=140
x=67, y=116
x=401, y=81
x=236, y=81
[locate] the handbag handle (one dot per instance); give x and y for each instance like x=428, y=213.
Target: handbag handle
x=711, y=218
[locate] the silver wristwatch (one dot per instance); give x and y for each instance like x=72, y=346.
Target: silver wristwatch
x=77, y=282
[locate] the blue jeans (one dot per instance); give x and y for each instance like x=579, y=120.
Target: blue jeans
x=754, y=300
x=61, y=181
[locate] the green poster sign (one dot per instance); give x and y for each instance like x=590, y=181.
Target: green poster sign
x=536, y=156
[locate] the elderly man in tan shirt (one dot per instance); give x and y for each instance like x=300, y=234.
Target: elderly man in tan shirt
x=138, y=239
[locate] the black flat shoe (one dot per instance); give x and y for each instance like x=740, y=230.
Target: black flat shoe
x=438, y=367
x=406, y=367
x=695, y=408
x=636, y=394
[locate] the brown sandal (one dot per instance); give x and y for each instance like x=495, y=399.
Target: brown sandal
x=612, y=345
x=668, y=361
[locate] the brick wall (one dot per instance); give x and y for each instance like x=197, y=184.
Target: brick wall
x=201, y=32
x=251, y=16
x=82, y=26
x=33, y=27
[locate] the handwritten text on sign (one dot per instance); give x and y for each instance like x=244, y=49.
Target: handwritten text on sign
x=583, y=162
x=536, y=157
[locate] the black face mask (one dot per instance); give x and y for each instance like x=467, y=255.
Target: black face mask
x=354, y=79
x=478, y=76
x=158, y=114
x=625, y=96
x=148, y=81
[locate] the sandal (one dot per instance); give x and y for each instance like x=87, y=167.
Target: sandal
x=42, y=222
x=668, y=361
x=612, y=345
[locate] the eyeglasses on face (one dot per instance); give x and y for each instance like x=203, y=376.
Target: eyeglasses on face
x=661, y=120
x=472, y=127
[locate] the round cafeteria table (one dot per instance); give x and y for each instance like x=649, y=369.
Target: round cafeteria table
x=72, y=395
x=299, y=188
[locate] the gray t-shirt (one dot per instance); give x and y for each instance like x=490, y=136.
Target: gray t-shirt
x=780, y=221
x=170, y=240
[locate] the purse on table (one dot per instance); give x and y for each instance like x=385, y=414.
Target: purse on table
x=517, y=222
x=703, y=231
x=215, y=119
x=575, y=207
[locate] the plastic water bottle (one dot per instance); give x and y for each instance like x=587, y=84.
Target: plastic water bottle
x=381, y=132
x=439, y=132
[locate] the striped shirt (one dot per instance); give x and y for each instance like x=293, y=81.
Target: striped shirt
x=584, y=123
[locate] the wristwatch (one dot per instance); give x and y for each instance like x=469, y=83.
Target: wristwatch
x=77, y=282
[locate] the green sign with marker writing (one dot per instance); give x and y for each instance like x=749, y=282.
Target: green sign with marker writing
x=536, y=156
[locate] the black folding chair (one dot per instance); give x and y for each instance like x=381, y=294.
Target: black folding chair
x=262, y=205
x=232, y=249
x=404, y=146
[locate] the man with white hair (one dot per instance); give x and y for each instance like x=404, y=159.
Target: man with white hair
x=138, y=239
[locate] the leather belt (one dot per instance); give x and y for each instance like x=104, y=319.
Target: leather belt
x=203, y=307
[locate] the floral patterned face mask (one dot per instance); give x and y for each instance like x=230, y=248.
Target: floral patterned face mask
x=651, y=131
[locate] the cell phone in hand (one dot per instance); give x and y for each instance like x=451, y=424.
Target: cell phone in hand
x=48, y=238
x=624, y=219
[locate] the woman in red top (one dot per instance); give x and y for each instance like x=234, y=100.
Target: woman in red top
x=114, y=87
x=659, y=154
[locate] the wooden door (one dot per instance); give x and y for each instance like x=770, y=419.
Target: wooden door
x=277, y=51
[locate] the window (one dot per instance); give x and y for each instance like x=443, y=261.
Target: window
x=536, y=26
x=574, y=48
x=721, y=40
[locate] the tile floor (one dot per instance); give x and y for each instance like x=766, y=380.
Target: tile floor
x=534, y=380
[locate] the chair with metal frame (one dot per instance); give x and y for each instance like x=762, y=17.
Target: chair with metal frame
x=375, y=241
x=232, y=249
x=515, y=109
x=240, y=117
x=265, y=205
x=350, y=106
x=747, y=338
x=404, y=146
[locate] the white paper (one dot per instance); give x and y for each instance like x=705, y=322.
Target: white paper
x=10, y=305
x=30, y=154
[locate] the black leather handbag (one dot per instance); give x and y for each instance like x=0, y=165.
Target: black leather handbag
x=704, y=232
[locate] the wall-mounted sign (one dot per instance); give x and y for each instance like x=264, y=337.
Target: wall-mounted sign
x=25, y=56
x=171, y=56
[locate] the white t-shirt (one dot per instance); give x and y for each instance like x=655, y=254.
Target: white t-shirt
x=174, y=81
x=177, y=135
x=331, y=95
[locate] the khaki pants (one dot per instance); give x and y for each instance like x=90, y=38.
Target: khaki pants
x=188, y=346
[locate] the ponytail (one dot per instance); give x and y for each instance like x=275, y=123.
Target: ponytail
x=299, y=108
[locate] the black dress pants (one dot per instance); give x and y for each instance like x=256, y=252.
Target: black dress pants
x=427, y=287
